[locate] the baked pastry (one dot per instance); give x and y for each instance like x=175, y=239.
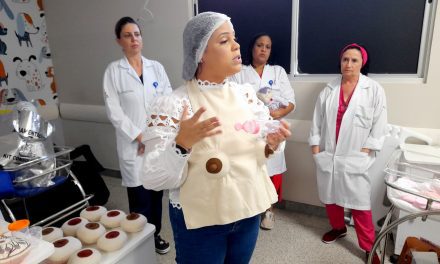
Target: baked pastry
x=85, y=256
x=133, y=222
x=112, y=218
x=64, y=248
x=93, y=213
x=51, y=233
x=89, y=233
x=13, y=249
x=112, y=240
x=70, y=226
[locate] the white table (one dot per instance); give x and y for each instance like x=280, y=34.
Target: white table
x=138, y=249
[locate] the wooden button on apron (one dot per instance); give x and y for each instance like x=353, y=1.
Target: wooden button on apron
x=214, y=165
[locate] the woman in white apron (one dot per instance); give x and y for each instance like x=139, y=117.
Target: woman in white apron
x=204, y=144
x=273, y=88
x=349, y=124
x=130, y=84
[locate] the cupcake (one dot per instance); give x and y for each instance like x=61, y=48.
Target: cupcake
x=70, y=226
x=133, y=222
x=64, y=248
x=89, y=233
x=112, y=240
x=51, y=233
x=85, y=256
x=93, y=213
x=112, y=218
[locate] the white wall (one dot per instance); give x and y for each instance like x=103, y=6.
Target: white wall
x=82, y=42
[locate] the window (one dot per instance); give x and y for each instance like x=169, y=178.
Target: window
x=308, y=34
x=395, y=32
x=254, y=16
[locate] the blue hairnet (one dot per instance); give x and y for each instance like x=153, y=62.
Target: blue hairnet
x=195, y=39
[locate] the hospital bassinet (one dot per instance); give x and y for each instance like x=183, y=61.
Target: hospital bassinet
x=413, y=187
x=18, y=185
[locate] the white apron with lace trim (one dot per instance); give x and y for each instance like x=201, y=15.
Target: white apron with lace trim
x=238, y=185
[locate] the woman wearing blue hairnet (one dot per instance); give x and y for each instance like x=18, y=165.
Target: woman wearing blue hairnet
x=206, y=142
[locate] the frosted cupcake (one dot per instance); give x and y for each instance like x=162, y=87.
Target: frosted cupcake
x=64, y=248
x=133, y=222
x=112, y=218
x=89, y=233
x=70, y=226
x=51, y=233
x=112, y=240
x=85, y=256
x=93, y=213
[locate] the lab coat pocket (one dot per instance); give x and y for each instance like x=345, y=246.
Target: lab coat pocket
x=125, y=92
x=324, y=162
x=358, y=163
x=127, y=149
x=363, y=116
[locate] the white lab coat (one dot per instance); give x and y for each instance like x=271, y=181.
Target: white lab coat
x=342, y=169
x=275, y=78
x=127, y=101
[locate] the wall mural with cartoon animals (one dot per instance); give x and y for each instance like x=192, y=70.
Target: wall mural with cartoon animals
x=26, y=69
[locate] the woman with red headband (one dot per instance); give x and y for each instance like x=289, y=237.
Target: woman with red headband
x=349, y=123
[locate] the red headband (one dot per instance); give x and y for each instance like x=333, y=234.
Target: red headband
x=363, y=52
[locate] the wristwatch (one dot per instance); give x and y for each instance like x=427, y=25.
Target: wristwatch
x=181, y=150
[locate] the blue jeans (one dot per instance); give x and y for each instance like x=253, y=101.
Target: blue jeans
x=231, y=243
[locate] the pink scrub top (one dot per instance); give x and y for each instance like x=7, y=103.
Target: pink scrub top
x=341, y=110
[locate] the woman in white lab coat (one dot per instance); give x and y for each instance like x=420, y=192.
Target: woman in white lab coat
x=349, y=123
x=273, y=88
x=203, y=144
x=130, y=84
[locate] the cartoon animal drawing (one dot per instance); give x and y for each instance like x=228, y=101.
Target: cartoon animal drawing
x=8, y=11
x=53, y=85
x=40, y=5
x=3, y=74
x=25, y=27
x=43, y=30
x=3, y=47
x=39, y=102
x=45, y=51
x=11, y=96
x=3, y=30
x=28, y=71
x=44, y=54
